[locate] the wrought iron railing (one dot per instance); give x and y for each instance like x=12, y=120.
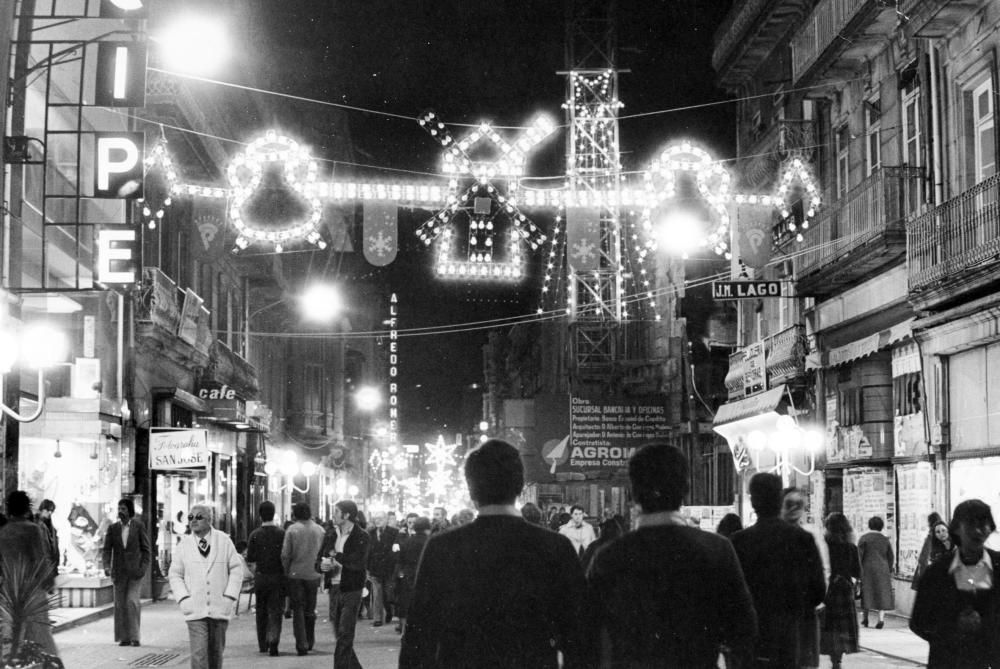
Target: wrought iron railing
x=876, y=205
x=959, y=234
x=785, y=352
x=819, y=30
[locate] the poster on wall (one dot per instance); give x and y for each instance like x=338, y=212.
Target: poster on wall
x=915, y=494
x=976, y=478
x=868, y=492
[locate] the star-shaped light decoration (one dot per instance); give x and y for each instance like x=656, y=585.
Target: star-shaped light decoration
x=483, y=193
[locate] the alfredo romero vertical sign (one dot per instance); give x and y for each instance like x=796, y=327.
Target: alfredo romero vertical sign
x=605, y=433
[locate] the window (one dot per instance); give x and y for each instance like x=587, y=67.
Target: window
x=843, y=142
x=873, y=136
x=983, y=130
x=911, y=127
x=907, y=393
x=312, y=401
x=912, y=136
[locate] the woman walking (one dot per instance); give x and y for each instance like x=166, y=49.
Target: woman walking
x=876, y=572
x=957, y=609
x=839, y=635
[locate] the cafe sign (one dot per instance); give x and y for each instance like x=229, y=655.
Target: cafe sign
x=178, y=449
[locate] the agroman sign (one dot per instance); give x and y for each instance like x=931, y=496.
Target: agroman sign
x=605, y=433
x=741, y=290
x=178, y=449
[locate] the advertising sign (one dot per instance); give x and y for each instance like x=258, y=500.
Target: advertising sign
x=605, y=433
x=754, y=369
x=914, y=485
x=121, y=74
x=178, y=449
x=116, y=254
x=118, y=164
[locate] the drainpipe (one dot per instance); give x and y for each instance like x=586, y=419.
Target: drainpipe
x=937, y=140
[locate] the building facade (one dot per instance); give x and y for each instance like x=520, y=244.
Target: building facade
x=893, y=279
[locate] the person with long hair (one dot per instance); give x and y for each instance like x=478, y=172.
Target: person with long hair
x=924, y=558
x=957, y=604
x=839, y=634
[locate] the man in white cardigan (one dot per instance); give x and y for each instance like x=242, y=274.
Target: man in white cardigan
x=205, y=576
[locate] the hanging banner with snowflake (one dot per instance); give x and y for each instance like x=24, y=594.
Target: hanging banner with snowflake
x=583, y=238
x=381, y=232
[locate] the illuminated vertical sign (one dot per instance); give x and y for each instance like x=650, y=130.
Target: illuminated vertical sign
x=393, y=370
x=121, y=75
x=116, y=253
x=118, y=164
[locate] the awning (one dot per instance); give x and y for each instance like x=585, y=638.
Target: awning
x=870, y=344
x=747, y=407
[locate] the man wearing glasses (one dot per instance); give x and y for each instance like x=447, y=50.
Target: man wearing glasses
x=205, y=576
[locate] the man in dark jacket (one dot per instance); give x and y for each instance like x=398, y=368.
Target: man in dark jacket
x=381, y=565
x=264, y=552
x=667, y=594
x=126, y=557
x=784, y=571
x=343, y=561
x=497, y=592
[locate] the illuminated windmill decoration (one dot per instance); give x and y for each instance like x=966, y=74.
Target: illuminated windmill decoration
x=484, y=194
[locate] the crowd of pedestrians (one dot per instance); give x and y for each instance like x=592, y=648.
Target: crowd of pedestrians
x=522, y=587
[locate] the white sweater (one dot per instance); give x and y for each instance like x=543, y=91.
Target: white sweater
x=206, y=587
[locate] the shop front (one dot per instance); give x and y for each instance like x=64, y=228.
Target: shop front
x=74, y=454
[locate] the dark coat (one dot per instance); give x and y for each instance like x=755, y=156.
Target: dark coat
x=381, y=558
x=784, y=572
x=353, y=561
x=410, y=550
x=670, y=596
x=876, y=571
x=936, y=611
x=126, y=562
x=496, y=593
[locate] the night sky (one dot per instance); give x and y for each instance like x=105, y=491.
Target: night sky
x=469, y=62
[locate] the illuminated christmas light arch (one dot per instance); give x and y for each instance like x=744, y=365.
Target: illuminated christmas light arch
x=488, y=203
x=245, y=173
x=796, y=171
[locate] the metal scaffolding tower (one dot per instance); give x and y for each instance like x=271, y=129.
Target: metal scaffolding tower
x=593, y=163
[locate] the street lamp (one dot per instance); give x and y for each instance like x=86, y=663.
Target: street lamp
x=193, y=44
x=786, y=438
x=38, y=346
x=288, y=465
x=321, y=303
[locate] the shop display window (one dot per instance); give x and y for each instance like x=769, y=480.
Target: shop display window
x=81, y=476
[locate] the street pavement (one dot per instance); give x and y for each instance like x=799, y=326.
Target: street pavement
x=90, y=645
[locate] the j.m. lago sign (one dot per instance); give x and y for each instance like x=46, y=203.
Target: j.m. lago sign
x=178, y=449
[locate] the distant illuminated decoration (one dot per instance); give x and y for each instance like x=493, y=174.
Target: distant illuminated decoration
x=489, y=202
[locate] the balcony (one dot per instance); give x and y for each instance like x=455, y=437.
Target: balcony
x=749, y=34
x=937, y=18
x=785, y=355
x=859, y=235
x=766, y=152
x=170, y=321
x=953, y=250
x=839, y=32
